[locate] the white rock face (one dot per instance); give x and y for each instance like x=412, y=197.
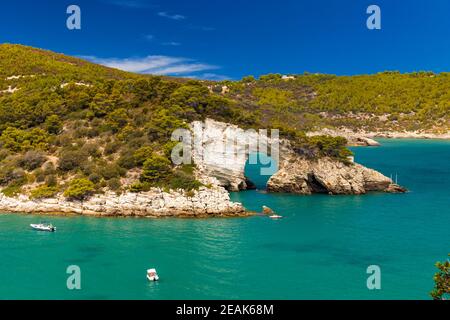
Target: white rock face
x=326, y=175
x=156, y=203
x=221, y=150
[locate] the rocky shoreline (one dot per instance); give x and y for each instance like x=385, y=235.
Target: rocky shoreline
x=328, y=176
x=295, y=174
x=366, y=138
x=207, y=202
x=222, y=171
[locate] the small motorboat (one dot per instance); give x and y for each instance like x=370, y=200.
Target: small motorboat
x=152, y=275
x=275, y=217
x=43, y=227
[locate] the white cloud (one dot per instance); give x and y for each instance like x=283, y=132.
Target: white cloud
x=171, y=16
x=171, y=43
x=159, y=65
x=214, y=76
x=149, y=37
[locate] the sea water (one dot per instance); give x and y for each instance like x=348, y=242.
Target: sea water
x=320, y=250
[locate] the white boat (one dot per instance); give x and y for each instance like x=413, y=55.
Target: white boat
x=152, y=275
x=43, y=227
x=275, y=216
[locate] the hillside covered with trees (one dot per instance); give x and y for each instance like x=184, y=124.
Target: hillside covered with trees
x=387, y=101
x=73, y=126
x=67, y=125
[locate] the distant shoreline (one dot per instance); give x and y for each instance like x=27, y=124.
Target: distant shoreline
x=408, y=135
x=366, y=138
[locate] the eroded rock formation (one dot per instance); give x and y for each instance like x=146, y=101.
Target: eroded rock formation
x=220, y=167
x=221, y=150
x=214, y=201
x=326, y=176
x=295, y=174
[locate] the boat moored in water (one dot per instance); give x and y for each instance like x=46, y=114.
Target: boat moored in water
x=275, y=217
x=43, y=227
x=152, y=275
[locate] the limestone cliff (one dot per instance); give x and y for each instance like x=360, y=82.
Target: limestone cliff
x=295, y=174
x=214, y=157
x=327, y=176
x=220, y=166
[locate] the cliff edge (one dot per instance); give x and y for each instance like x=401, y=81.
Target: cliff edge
x=295, y=174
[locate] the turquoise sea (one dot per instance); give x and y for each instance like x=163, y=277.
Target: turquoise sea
x=321, y=250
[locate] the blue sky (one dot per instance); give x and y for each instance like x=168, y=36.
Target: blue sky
x=230, y=39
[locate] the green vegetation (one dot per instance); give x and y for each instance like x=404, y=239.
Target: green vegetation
x=442, y=281
x=43, y=192
x=112, y=129
x=17, y=140
x=334, y=147
x=155, y=169
x=384, y=101
x=71, y=118
x=158, y=173
x=79, y=189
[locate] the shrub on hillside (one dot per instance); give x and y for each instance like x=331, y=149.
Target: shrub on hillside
x=110, y=171
x=12, y=190
x=183, y=178
x=117, y=119
x=111, y=148
x=95, y=177
x=141, y=155
x=10, y=175
x=140, y=187
x=114, y=184
x=156, y=168
x=32, y=160
x=53, y=124
x=91, y=149
x=44, y=192
x=335, y=147
x=39, y=174
x=18, y=140
x=51, y=180
x=71, y=159
x=79, y=189
x=126, y=160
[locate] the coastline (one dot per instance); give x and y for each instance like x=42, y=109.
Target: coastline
x=366, y=138
x=409, y=135
x=207, y=202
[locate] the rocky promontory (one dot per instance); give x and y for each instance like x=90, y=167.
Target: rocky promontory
x=220, y=168
x=214, y=201
x=328, y=176
x=295, y=174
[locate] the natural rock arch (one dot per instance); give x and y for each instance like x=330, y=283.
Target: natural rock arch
x=222, y=150
x=223, y=165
